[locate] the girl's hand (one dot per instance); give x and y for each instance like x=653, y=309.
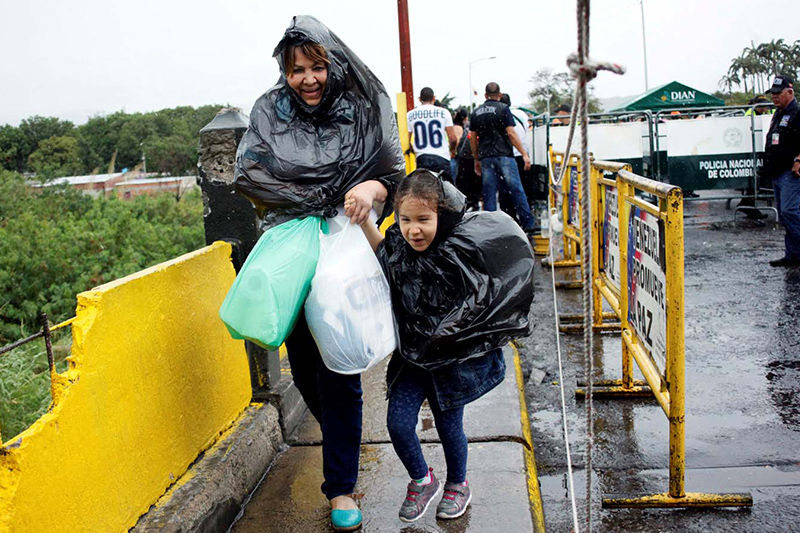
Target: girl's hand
x=358, y=200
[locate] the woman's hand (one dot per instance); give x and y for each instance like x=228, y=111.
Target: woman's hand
x=358, y=200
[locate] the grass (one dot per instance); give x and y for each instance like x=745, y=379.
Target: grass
x=25, y=383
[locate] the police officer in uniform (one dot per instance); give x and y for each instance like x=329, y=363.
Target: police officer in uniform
x=782, y=163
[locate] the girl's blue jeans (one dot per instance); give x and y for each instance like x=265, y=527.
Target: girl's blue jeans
x=408, y=392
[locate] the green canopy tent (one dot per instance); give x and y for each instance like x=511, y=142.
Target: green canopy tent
x=670, y=96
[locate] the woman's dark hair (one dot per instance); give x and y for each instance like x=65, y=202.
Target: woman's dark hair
x=315, y=52
x=460, y=116
x=425, y=185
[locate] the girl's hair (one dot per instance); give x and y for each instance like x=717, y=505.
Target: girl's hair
x=425, y=186
x=315, y=52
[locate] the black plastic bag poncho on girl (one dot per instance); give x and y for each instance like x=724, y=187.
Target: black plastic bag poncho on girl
x=468, y=293
x=297, y=159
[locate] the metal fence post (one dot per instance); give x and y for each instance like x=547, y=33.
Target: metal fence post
x=676, y=374
x=48, y=345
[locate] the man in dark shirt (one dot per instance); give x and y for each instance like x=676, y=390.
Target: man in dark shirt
x=782, y=163
x=491, y=141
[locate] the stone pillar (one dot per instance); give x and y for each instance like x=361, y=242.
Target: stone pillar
x=227, y=216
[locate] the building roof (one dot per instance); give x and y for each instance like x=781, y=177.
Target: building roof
x=82, y=180
x=147, y=181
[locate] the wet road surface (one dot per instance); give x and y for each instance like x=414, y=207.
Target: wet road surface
x=289, y=497
x=742, y=392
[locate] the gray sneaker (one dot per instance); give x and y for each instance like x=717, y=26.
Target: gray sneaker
x=418, y=498
x=455, y=500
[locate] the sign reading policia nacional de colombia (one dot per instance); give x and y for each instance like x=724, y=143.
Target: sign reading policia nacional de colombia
x=715, y=152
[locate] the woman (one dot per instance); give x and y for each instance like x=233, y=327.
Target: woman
x=459, y=119
x=325, y=136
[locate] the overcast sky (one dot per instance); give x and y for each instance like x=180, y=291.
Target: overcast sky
x=79, y=58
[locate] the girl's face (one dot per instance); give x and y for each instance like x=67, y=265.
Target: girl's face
x=417, y=222
x=308, y=78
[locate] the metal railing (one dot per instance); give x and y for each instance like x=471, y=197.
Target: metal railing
x=45, y=333
x=649, y=301
x=565, y=196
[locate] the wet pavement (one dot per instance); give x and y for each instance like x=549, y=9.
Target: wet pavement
x=742, y=414
x=742, y=392
x=289, y=499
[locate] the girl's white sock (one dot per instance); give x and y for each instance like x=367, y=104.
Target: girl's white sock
x=424, y=481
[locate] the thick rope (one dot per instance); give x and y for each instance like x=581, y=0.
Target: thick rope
x=585, y=70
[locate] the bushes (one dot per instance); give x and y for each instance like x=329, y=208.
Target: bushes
x=56, y=242
x=25, y=383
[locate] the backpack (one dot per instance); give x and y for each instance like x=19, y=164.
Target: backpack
x=463, y=150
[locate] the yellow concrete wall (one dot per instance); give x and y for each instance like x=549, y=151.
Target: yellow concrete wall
x=153, y=379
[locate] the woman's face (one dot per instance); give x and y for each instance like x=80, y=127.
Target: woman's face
x=418, y=223
x=308, y=78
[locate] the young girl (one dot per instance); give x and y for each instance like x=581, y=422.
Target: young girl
x=455, y=307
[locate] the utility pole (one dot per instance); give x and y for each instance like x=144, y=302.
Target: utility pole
x=644, y=48
x=471, y=91
x=405, y=53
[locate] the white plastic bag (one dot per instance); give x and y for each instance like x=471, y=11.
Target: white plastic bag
x=349, y=308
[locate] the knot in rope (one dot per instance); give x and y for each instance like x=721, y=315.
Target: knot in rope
x=588, y=70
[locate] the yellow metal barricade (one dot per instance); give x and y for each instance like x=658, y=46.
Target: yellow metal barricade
x=606, y=259
x=650, y=307
x=405, y=144
x=566, y=197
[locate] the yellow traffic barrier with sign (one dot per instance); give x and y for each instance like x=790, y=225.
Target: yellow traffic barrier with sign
x=606, y=259
x=565, y=196
x=650, y=307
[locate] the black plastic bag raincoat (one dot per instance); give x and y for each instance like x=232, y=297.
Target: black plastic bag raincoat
x=296, y=159
x=468, y=293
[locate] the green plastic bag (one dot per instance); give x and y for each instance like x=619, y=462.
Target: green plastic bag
x=264, y=301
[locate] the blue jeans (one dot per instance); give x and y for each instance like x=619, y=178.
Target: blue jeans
x=435, y=163
x=787, y=201
x=335, y=401
x=409, y=390
x=496, y=168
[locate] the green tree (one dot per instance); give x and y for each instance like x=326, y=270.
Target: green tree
x=556, y=88
x=97, y=140
x=727, y=81
x=447, y=102
x=56, y=242
x=12, y=146
x=133, y=133
x=56, y=157
x=734, y=98
x=757, y=64
x=36, y=129
x=172, y=155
